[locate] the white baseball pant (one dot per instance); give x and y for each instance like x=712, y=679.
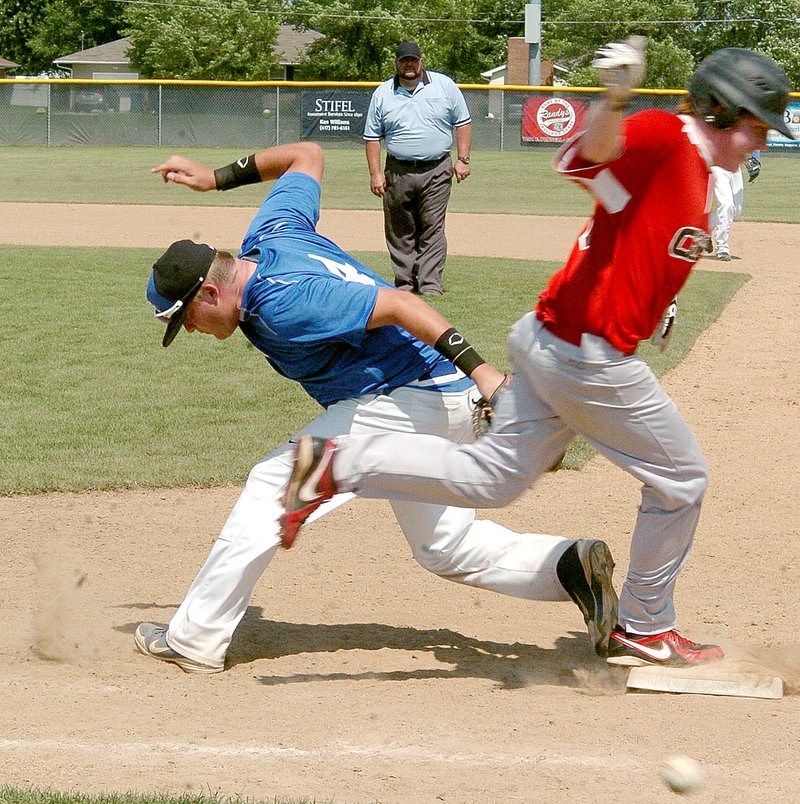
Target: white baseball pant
x=729, y=192
x=559, y=390
x=447, y=541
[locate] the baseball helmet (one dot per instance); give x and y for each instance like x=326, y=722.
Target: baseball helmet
x=733, y=80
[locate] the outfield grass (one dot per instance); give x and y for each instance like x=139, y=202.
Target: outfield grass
x=516, y=182
x=92, y=401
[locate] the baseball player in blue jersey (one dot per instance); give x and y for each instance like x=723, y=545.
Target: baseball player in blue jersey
x=363, y=350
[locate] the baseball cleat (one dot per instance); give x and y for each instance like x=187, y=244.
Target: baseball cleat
x=151, y=640
x=668, y=648
x=585, y=571
x=310, y=484
x=723, y=256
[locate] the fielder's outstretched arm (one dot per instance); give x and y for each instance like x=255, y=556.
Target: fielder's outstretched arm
x=271, y=163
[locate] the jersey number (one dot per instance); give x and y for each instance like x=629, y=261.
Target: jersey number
x=344, y=270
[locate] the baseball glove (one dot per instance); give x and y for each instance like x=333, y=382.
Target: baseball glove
x=666, y=326
x=753, y=167
x=483, y=412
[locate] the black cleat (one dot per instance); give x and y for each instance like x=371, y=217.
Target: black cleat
x=585, y=572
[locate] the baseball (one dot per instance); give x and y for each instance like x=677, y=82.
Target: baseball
x=682, y=774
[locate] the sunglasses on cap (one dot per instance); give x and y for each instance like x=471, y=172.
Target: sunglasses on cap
x=165, y=316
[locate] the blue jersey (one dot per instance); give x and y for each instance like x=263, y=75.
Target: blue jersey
x=307, y=304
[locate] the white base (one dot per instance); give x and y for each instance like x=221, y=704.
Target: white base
x=668, y=679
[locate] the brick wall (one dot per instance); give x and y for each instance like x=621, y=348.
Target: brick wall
x=518, y=64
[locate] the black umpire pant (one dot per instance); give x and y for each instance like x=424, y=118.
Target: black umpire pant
x=414, y=209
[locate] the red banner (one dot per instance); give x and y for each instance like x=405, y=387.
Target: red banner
x=551, y=119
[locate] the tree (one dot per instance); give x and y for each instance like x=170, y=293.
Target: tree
x=17, y=24
x=466, y=49
x=361, y=36
x=66, y=27
x=221, y=40
x=574, y=29
x=767, y=26
x=358, y=41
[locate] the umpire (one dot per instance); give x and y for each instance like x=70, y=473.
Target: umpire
x=415, y=112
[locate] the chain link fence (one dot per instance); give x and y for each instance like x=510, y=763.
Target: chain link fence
x=254, y=115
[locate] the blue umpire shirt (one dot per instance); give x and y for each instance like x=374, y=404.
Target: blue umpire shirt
x=307, y=304
x=418, y=124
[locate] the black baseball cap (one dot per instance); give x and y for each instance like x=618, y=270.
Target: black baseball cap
x=407, y=50
x=177, y=276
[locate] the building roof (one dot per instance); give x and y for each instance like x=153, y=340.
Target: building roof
x=5, y=64
x=115, y=52
x=290, y=46
x=490, y=74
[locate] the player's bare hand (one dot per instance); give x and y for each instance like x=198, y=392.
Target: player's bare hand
x=377, y=185
x=180, y=170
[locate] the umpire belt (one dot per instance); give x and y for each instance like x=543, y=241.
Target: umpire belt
x=416, y=164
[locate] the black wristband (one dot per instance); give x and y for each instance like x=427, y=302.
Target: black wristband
x=242, y=171
x=452, y=345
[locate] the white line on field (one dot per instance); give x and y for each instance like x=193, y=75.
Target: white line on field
x=413, y=753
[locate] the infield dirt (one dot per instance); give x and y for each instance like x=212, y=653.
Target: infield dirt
x=355, y=676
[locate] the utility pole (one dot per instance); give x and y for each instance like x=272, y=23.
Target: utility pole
x=533, y=37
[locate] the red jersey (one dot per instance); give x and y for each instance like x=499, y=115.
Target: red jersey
x=647, y=231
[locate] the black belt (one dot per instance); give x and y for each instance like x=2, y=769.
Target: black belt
x=417, y=164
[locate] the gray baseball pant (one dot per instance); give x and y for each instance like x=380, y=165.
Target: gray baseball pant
x=414, y=210
x=559, y=390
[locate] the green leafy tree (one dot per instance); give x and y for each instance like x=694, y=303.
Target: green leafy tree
x=465, y=49
x=358, y=41
x=223, y=40
x=66, y=27
x=17, y=24
x=767, y=26
x=461, y=38
x=786, y=51
x=574, y=29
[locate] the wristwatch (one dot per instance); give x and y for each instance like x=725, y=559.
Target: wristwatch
x=464, y=159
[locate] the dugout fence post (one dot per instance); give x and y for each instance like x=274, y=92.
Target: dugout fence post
x=49, y=114
x=502, y=121
x=277, y=115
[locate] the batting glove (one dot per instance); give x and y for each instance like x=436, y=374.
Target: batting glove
x=621, y=68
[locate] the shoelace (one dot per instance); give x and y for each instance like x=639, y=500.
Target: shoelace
x=681, y=640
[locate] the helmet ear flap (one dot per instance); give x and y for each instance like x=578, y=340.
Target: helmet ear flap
x=725, y=118
x=716, y=114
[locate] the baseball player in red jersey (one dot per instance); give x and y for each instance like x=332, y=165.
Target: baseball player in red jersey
x=576, y=370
